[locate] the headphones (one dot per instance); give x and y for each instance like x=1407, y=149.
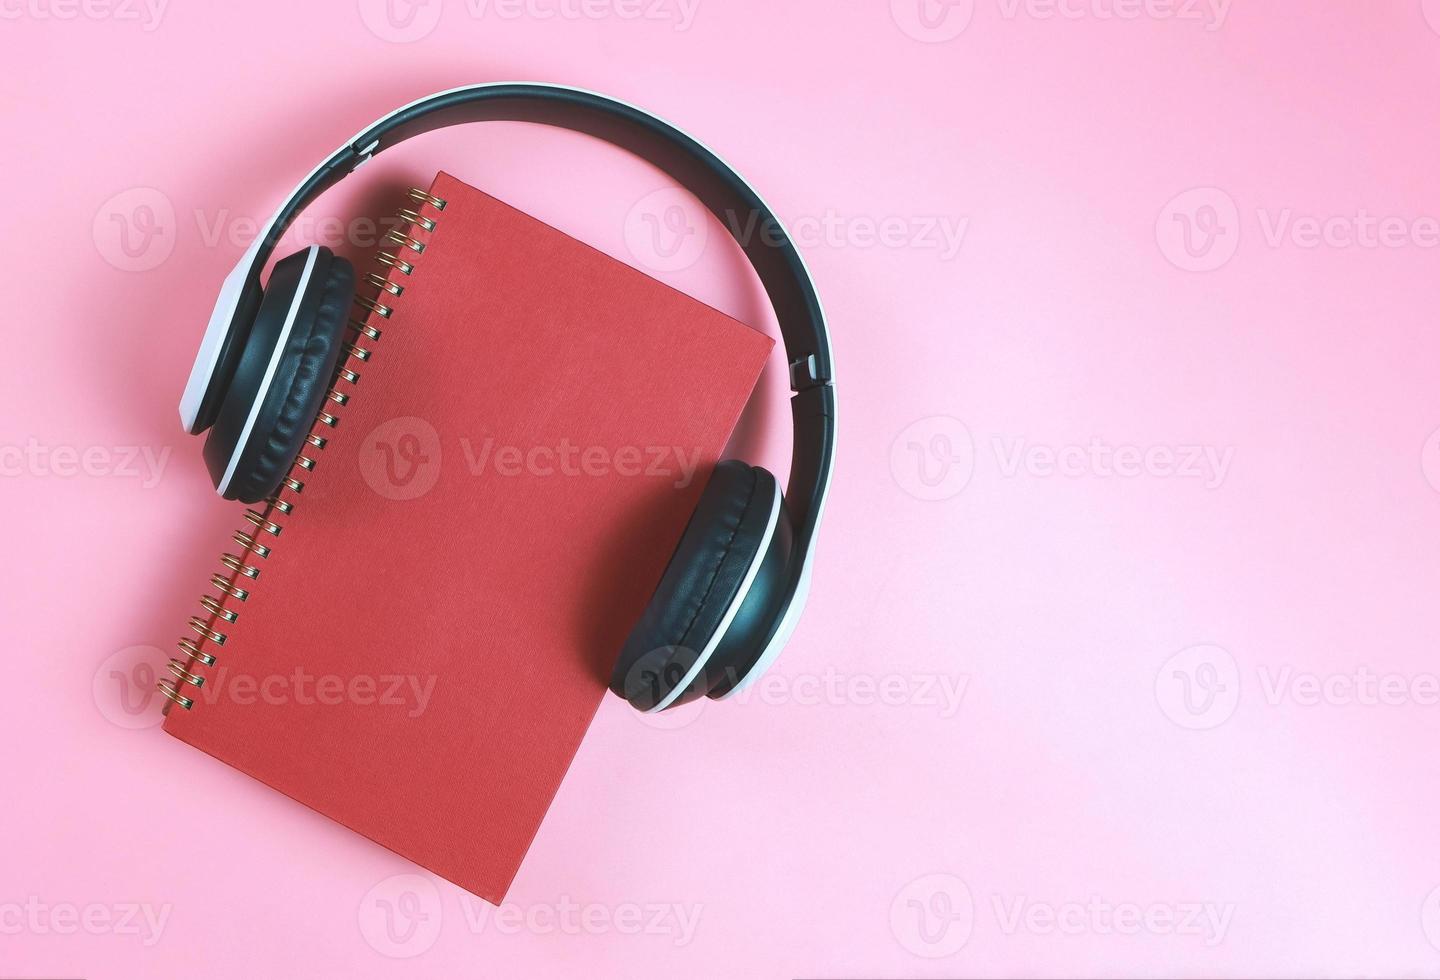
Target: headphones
x=735, y=586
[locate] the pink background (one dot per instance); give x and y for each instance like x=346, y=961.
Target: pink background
x=1161, y=761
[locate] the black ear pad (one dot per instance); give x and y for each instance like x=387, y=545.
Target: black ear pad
x=740, y=520
x=310, y=292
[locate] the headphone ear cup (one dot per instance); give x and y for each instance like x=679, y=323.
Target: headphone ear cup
x=283, y=375
x=713, y=600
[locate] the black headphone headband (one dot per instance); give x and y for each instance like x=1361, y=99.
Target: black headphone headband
x=740, y=574
x=694, y=166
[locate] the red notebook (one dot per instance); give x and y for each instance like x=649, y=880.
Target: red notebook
x=434, y=625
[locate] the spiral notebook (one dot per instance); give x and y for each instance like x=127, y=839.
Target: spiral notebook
x=413, y=635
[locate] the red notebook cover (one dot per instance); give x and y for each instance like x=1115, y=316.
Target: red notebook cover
x=434, y=626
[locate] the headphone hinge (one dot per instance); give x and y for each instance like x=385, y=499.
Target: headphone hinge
x=363, y=154
x=805, y=373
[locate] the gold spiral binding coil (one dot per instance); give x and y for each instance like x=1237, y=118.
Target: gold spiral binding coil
x=226, y=586
x=380, y=309
x=383, y=284
x=194, y=654
x=413, y=244
x=192, y=651
x=206, y=633
x=395, y=262
x=177, y=667
x=425, y=197
x=263, y=523
x=234, y=563
x=416, y=218
x=217, y=608
x=173, y=693
x=367, y=330
x=248, y=542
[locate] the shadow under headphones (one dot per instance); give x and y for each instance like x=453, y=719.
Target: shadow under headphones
x=735, y=586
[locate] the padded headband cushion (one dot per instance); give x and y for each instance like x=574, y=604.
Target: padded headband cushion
x=303, y=374
x=716, y=552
